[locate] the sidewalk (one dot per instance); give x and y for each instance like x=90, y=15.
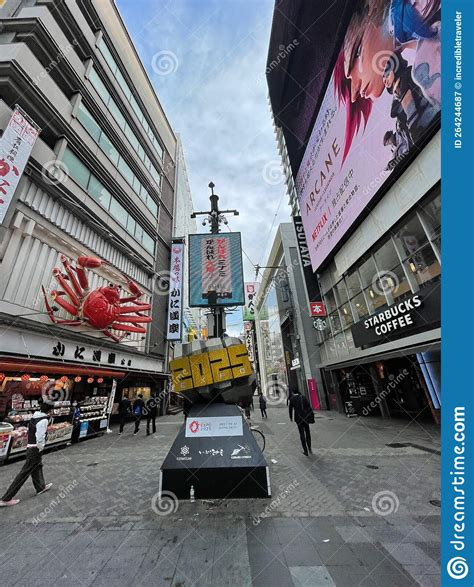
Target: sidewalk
x=357, y=512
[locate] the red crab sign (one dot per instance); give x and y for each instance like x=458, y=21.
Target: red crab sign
x=101, y=308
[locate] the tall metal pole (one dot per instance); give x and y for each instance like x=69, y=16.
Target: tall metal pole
x=215, y=217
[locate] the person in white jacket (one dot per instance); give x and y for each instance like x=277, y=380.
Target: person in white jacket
x=37, y=434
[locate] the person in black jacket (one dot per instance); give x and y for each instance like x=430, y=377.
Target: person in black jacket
x=262, y=400
x=151, y=413
x=138, y=407
x=304, y=415
x=124, y=410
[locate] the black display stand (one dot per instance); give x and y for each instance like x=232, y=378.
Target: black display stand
x=216, y=466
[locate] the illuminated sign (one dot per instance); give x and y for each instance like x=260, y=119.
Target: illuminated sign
x=175, y=295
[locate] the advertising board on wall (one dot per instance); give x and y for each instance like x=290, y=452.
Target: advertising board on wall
x=175, y=295
x=382, y=103
x=16, y=144
x=215, y=270
x=251, y=290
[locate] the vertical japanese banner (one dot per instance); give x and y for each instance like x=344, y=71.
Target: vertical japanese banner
x=16, y=145
x=249, y=340
x=175, y=296
x=251, y=290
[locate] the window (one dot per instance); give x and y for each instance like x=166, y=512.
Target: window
x=341, y=293
x=131, y=225
x=330, y=301
x=76, y=169
x=432, y=214
x=148, y=243
x=99, y=86
x=346, y=316
x=386, y=257
x=118, y=212
x=353, y=284
x=118, y=116
x=412, y=236
x=88, y=122
x=368, y=271
x=360, y=306
x=126, y=171
x=424, y=265
x=335, y=322
x=109, y=149
x=376, y=297
x=99, y=193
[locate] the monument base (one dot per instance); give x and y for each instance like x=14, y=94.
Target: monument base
x=216, y=453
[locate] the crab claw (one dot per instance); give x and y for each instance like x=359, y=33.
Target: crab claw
x=90, y=262
x=133, y=288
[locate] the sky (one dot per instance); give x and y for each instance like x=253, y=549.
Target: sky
x=206, y=60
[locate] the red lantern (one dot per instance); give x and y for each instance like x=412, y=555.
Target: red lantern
x=25, y=377
x=44, y=378
x=63, y=379
x=100, y=380
x=77, y=379
x=90, y=380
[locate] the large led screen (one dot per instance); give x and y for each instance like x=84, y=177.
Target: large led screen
x=382, y=101
x=215, y=270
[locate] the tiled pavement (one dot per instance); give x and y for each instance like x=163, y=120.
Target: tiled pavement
x=357, y=512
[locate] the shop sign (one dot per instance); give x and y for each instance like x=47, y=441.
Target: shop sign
x=311, y=281
x=317, y=309
x=319, y=324
x=401, y=318
x=200, y=427
x=249, y=341
x=251, y=290
x=16, y=144
x=175, y=296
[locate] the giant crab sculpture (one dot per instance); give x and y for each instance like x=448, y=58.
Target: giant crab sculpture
x=101, y=308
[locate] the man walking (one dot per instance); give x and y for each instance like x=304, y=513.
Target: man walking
x=124, y=409
x=37, y=434
x=138, y=406
x=262, y=400
x=151, y=413
x=304, y=416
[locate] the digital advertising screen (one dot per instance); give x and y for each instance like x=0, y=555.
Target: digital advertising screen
x=215, y=270
x=382, y=103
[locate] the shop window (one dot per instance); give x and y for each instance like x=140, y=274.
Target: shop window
x=346, y=316
x=425, y=265
x=330, y=347
x=401, y=285
x=341, y=293
x=353, y=284
x=88, y=122
x=360, y=306
x=349, y=340
x=341, y=345
x=412, y=236
x=330, y=301
x=99, y=193
x=335, y=322
x=76, y=169
x=376, y=297
x=118, y=212
x=368, y=271
x=386, y=257
x=432, y=214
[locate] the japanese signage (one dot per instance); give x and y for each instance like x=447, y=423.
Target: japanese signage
x=317, y=309
x=16, y=145
x=249, y=340
x=214, y=366
x=310, y=279
x=214, y=426
x=215, y=270
x=175, y=296
x=381, y=105
x=251, y=290
x=407, y=315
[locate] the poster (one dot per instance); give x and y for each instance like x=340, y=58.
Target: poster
x=16, y=145
x=175, y=295
x=251, y=290
x=382, y=103
x=215, y=270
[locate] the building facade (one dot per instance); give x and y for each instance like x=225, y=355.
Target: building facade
x=366, y=185
x=100, y=182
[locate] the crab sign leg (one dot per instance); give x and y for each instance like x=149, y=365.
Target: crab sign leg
x=128, y=327
x=133, y=319
x=125, y=309
x=66, y=287
x=84, y=263
x=76, y=322
x=56, y=297
x=72, y=278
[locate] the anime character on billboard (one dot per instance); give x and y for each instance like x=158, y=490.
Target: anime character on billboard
x=372, y=61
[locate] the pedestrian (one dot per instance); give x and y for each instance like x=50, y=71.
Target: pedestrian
x=151, y=413
x=304, y=416
x=37, y=435
x=138, y=406
x=262, y=400
x=124, y=410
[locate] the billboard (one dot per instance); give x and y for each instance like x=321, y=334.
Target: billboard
x=382, y=102
x=251, y=290
x=215, y=270
x=16, y=145
x=175, y=294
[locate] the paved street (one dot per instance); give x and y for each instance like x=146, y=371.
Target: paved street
x=357, y=512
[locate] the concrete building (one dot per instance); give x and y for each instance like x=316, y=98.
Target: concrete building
x=100, y=182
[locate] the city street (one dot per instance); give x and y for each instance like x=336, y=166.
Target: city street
x=362, y=510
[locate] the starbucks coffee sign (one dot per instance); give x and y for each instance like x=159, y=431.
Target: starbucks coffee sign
x=410, y=314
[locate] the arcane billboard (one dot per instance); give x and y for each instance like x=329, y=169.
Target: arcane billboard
x=215, y=270
x=382, y=103
x=16, y=145
x=175, y=295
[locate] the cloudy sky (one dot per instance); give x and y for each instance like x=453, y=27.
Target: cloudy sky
x=206, y=60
